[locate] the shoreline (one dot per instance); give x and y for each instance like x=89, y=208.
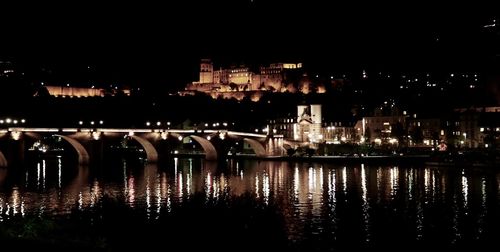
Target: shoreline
x=423, y=159
x=342, y=159
x=356, y=159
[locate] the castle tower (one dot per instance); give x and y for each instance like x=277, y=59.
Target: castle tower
x=206, y=71
x=315, y=127
x=316, y=113
x=302, y=112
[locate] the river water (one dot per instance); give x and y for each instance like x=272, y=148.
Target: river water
x=322, y=204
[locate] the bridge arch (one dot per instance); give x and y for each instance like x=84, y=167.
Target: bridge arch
x=257, y=147
x=3, y=160
x=208, y=147
x=151, y=153
x=83, y=155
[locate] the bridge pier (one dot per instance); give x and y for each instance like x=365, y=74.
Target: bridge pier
x=12, y=151
x=3, y=160
x=274, y=146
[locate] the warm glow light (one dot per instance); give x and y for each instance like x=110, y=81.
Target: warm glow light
x=96, y=135
x=180, y=138
x=16, y=135
x=209, y=137
x=164, y=135
x=131, y=133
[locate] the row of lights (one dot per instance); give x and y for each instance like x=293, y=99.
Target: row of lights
x=11, y=121
x=96, y=135
x=100, y=122
x=221, y=136
x=158, y=123
x=217, y=124
x=266, y=130
x=163, y=135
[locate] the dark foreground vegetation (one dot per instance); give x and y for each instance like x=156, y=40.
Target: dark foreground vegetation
x=239, y=223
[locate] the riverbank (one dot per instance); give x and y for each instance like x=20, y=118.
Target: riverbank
x=340, y=159
x=343, y=159
x=423, y=159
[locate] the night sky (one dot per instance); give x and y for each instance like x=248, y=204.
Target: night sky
x=161, y=43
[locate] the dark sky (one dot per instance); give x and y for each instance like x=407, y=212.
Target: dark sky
x=161, y=43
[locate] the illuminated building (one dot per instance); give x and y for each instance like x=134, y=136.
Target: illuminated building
x=308, y=126
x=379, y=128
x=242, y=79
x=61, y=91
x=305, y=127
x=478, y=127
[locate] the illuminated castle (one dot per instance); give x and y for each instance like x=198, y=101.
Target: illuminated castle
x=242, y=79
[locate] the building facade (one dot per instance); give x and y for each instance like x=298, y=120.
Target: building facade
x=242, y=78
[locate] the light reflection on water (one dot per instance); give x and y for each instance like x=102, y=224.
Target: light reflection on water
x=323, y=200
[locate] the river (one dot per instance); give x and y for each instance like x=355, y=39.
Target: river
x=322, y=205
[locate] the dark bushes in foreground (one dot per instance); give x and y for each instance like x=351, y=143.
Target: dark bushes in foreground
x=223, y=225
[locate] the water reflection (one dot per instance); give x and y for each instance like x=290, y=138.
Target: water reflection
x=465, y=191
x=360, y=203
x=365, y=205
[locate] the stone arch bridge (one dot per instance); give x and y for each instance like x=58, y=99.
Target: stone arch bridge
x=88, y=143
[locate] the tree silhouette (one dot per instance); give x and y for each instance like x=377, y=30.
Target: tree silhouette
x=368, y=133
x=398, y=132
x=417, y=135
